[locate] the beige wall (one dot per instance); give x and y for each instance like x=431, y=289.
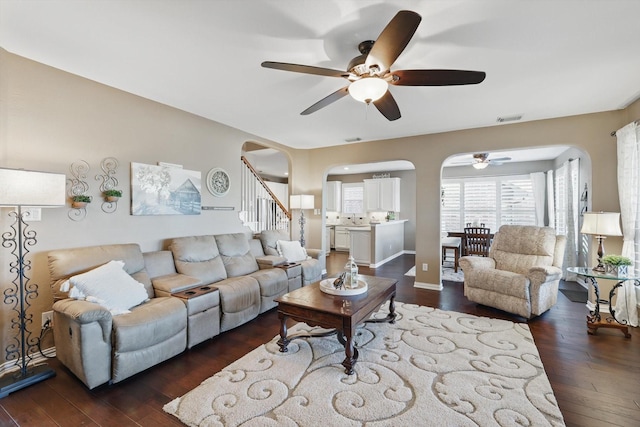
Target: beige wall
x=49, y=119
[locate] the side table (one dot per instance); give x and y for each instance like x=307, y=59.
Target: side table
x=594, y=319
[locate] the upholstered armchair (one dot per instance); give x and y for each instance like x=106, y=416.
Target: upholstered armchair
x=522, y=272
x=312, y=260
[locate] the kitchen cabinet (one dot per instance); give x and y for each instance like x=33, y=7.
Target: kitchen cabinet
x=361, y=246
x=334, y=196
x=330, y=237
x=382, y=194
x=342, y=239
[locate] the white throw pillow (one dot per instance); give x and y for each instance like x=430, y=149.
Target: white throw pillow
x=291, y=250
x=111, y=287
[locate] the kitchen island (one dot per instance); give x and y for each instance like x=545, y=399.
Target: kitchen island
x=377, y=243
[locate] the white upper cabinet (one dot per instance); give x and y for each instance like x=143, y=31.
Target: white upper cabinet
x=382, y=194
x=334, y=196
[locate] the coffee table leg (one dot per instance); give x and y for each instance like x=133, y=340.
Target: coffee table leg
x=391, y=317
x=283, y=342
x=351, y=354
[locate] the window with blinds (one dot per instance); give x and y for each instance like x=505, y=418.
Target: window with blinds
x=353, y=198
x=492, y=201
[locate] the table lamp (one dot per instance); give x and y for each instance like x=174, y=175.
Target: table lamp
x=302, y=202
x=601, y=225
x=20, y=188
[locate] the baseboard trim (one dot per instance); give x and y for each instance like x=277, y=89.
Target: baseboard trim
x=428, y=286
x=386, y=260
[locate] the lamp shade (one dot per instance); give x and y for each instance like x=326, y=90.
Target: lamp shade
x=20, y=187
x=301, y=201
x=601, y=224
x=307, y=201
x=368, y=89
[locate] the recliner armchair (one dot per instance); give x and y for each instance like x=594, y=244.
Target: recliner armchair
x=522, y=272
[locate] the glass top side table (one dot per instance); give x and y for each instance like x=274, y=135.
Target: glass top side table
x=594, y=320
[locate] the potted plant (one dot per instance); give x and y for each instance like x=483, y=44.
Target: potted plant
x=112, y=195
x=80, y=201
x=617, y=265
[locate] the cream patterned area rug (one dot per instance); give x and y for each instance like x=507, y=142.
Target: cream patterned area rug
x=448, y=274
x=430, y=368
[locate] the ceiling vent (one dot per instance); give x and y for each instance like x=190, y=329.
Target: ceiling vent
x=356, y=139
x=513, y=118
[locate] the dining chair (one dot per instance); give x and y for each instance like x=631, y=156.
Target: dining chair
x=477, y=241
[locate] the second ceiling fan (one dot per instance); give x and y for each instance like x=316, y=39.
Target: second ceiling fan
x=370, y=74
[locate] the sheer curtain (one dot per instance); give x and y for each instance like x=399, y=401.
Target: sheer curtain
x=571, y=170
x=539, y=196
x=551, y=200
x=629, y=193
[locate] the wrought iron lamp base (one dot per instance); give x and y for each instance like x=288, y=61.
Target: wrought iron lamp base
x=14, y=381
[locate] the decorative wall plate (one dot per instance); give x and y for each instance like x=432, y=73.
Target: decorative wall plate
x=218, y=182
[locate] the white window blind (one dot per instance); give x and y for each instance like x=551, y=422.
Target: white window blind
x=492, y=201
x=561, y=200
x=451, y=211
x=353, y=198
x=517, y=204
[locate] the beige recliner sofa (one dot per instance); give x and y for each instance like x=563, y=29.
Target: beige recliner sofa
x=522, y=272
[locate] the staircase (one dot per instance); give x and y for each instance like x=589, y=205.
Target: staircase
x=260, y=209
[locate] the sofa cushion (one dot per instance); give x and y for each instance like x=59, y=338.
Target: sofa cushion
x=518, y=248
x=198, y=256
x=148, y=324
x=499, y=281
x=64, y=263
x=269, y=240
x=111, y=287
x=236, y=254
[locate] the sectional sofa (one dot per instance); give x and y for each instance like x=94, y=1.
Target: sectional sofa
x=118, y=311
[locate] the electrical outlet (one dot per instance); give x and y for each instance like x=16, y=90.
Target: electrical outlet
x=47, y=316
x=425, y=266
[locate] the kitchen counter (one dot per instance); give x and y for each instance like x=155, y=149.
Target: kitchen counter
x=377, y=243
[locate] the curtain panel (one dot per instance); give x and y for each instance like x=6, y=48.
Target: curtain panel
x=628, y=150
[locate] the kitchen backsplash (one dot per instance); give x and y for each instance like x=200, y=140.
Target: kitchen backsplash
x=338, y=218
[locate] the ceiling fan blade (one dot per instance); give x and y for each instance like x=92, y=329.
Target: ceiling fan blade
x=393, y=39
x=388, y=107
x=306, y=69
x=436, y=77
x=326, y=101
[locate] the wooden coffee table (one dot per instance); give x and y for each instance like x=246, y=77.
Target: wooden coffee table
x=341, y=313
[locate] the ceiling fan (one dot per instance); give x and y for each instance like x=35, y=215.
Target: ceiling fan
x=370, y=74
x=482, y=160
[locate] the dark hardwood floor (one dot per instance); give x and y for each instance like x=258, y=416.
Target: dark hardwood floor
x=596, y=379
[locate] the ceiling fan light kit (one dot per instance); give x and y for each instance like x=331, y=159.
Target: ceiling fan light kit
x=368, y=89
x=480, y=165
x=369, y=74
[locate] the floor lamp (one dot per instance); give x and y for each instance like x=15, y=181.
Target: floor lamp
x=18, y=189
x=302, y=202
x=601, y=225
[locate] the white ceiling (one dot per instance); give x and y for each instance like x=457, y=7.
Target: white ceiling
x=542, y=58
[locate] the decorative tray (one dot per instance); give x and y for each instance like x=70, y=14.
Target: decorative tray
x=326, y=286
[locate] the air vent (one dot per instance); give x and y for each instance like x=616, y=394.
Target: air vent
x=356, y=139
x=513, y=118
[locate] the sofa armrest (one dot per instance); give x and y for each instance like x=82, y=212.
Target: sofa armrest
x=316, y=253
x=85, y=312
x=168, y=284
x=542, y=274
x=479, y=262
x=270, y=261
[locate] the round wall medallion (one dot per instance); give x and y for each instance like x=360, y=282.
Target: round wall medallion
x=218, y=182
